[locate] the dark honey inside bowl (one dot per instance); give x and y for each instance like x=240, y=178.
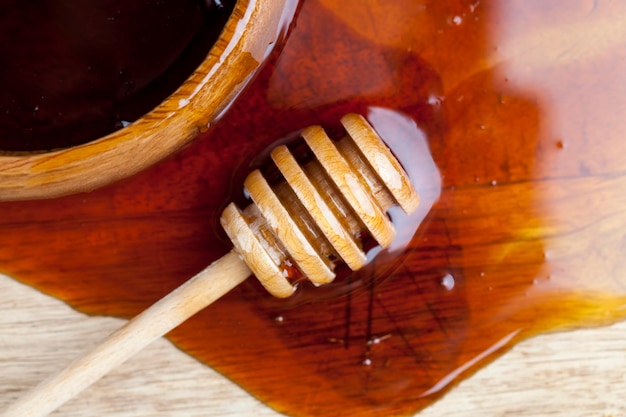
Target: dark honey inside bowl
x=72, y=73
x=518, y=109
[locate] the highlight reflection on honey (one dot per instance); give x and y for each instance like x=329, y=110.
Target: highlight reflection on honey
x=512, y=114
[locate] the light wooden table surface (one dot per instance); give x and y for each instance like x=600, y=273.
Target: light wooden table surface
x=580, y=373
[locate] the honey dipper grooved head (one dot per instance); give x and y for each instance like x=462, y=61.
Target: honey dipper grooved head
x=316, y=213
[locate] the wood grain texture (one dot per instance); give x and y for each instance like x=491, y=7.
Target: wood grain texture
x=578, y=373
x=510, y=91
x=166, y=314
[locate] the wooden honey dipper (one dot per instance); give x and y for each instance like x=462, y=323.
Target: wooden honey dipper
x=312, y=217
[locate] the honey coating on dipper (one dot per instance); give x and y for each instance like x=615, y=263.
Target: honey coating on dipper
x=512, y=138
x=305, y=226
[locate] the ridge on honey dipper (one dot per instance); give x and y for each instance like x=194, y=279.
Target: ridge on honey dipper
x=310, y=219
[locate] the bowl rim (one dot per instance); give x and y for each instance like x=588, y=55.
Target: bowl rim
x=247, y=38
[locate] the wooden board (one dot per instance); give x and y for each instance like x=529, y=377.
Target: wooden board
x=578, y=373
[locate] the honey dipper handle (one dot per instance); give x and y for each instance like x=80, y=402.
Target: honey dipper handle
x=212, y=283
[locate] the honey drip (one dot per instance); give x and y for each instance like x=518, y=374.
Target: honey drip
x=508, y=116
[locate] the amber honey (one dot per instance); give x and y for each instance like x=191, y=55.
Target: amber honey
x=73, y=72
x=508, y=116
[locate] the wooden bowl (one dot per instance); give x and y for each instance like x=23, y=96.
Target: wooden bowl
x=244, y=42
